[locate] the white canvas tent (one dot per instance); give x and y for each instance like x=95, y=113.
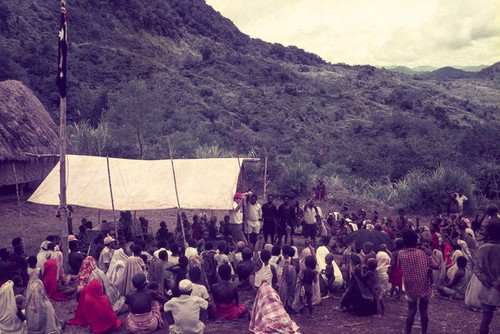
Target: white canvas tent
x=143, y=184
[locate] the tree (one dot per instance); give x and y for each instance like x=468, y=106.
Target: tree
x=135, y=118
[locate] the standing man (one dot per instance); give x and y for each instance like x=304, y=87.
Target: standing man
x=310, y=228
x=286, y=216
x=415, y=263
x=254, y=218
x=269, y=214
x=236, y=217
x=487, y=270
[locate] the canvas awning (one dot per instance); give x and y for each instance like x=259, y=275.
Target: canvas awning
x=143, y=184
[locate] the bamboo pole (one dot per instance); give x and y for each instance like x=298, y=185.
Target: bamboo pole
x=179, y=218
x=21, y=226
x=62, y=159
x=111, y=194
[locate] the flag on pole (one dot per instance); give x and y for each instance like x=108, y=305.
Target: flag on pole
x=62, y=52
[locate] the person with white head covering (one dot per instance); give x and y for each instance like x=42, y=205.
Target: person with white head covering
x=10, y=323
x=117, y=265
x=183, y=312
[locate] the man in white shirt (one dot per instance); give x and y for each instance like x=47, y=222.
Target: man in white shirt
x=106, y=254
x=184, y=312
x=236, y=217
x=254, y=218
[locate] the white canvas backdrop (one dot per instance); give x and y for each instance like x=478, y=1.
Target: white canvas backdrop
x=143, y=184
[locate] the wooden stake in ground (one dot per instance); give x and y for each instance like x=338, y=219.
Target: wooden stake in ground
x=21, y=226
x=179, y=218
x=61, y=84
x=111, y=194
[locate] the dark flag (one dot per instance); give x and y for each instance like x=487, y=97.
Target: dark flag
x=62, y=53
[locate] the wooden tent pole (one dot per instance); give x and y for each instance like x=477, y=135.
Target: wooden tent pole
x=179, y=218
x=21, y=226
x=62, y=43
x=111, y=194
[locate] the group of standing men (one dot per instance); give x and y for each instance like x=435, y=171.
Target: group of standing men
x=251, y=218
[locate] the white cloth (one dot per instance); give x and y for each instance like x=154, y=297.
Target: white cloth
x=383, y=264
x=201, y=291
x=116, y=265
x=236, y=217
x=321, y=253
x=9, y=321
x=191, y=251
x=186, y=313
x=254, y=213
x=263, y=274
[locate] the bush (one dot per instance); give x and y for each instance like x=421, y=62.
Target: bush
x=428, y=191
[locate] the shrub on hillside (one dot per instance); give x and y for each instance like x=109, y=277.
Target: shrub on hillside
x=428, y=191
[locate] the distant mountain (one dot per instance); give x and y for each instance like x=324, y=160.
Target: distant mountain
x=424, y=68
x=176, y=71
x=447, y=73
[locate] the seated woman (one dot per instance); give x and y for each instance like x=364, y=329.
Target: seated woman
x=94, y=310
x=88, y=266
x=358, y=298
x=40, y=315
x=226, y=297
x=117, y=300
x=268, y=313
x=10, y=322
x=144, y=305
x=50, y=282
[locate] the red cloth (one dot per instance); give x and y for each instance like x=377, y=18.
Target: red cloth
x=229, y=311
x=50, y=281
x=94, y=310
x=396, y=276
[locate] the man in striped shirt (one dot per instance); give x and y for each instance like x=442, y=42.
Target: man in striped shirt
x=416, y=263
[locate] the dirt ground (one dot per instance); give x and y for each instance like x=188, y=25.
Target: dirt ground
x=34, y=222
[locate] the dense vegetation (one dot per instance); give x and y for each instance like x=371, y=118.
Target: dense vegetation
x=143, y=75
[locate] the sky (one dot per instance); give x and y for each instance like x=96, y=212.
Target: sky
x=376, y=32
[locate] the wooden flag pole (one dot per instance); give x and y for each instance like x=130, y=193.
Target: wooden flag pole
x=21, y=226
x=111, y=194
x=63, y=141
x=179, y=218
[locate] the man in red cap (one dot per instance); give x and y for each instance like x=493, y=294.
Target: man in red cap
x=236, y=217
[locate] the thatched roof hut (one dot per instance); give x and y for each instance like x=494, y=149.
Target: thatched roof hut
x=26, y=131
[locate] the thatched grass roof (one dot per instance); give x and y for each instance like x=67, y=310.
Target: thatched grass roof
x=25, y=125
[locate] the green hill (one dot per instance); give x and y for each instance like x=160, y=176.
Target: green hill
x=144, y=72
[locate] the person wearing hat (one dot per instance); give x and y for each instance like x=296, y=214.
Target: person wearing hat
x=236, y=217
x=106, y=253
x=183, y=312
x=144, y=307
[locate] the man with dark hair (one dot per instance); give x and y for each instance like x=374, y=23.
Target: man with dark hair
x=226, y=297
x=269, y=215
x=456, y=288
x=416, y=263
x=487, y=270
x=245, y=269
x=286, y=217
x=144, y=307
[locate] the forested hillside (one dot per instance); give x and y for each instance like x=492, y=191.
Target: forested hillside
x=142, y=74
